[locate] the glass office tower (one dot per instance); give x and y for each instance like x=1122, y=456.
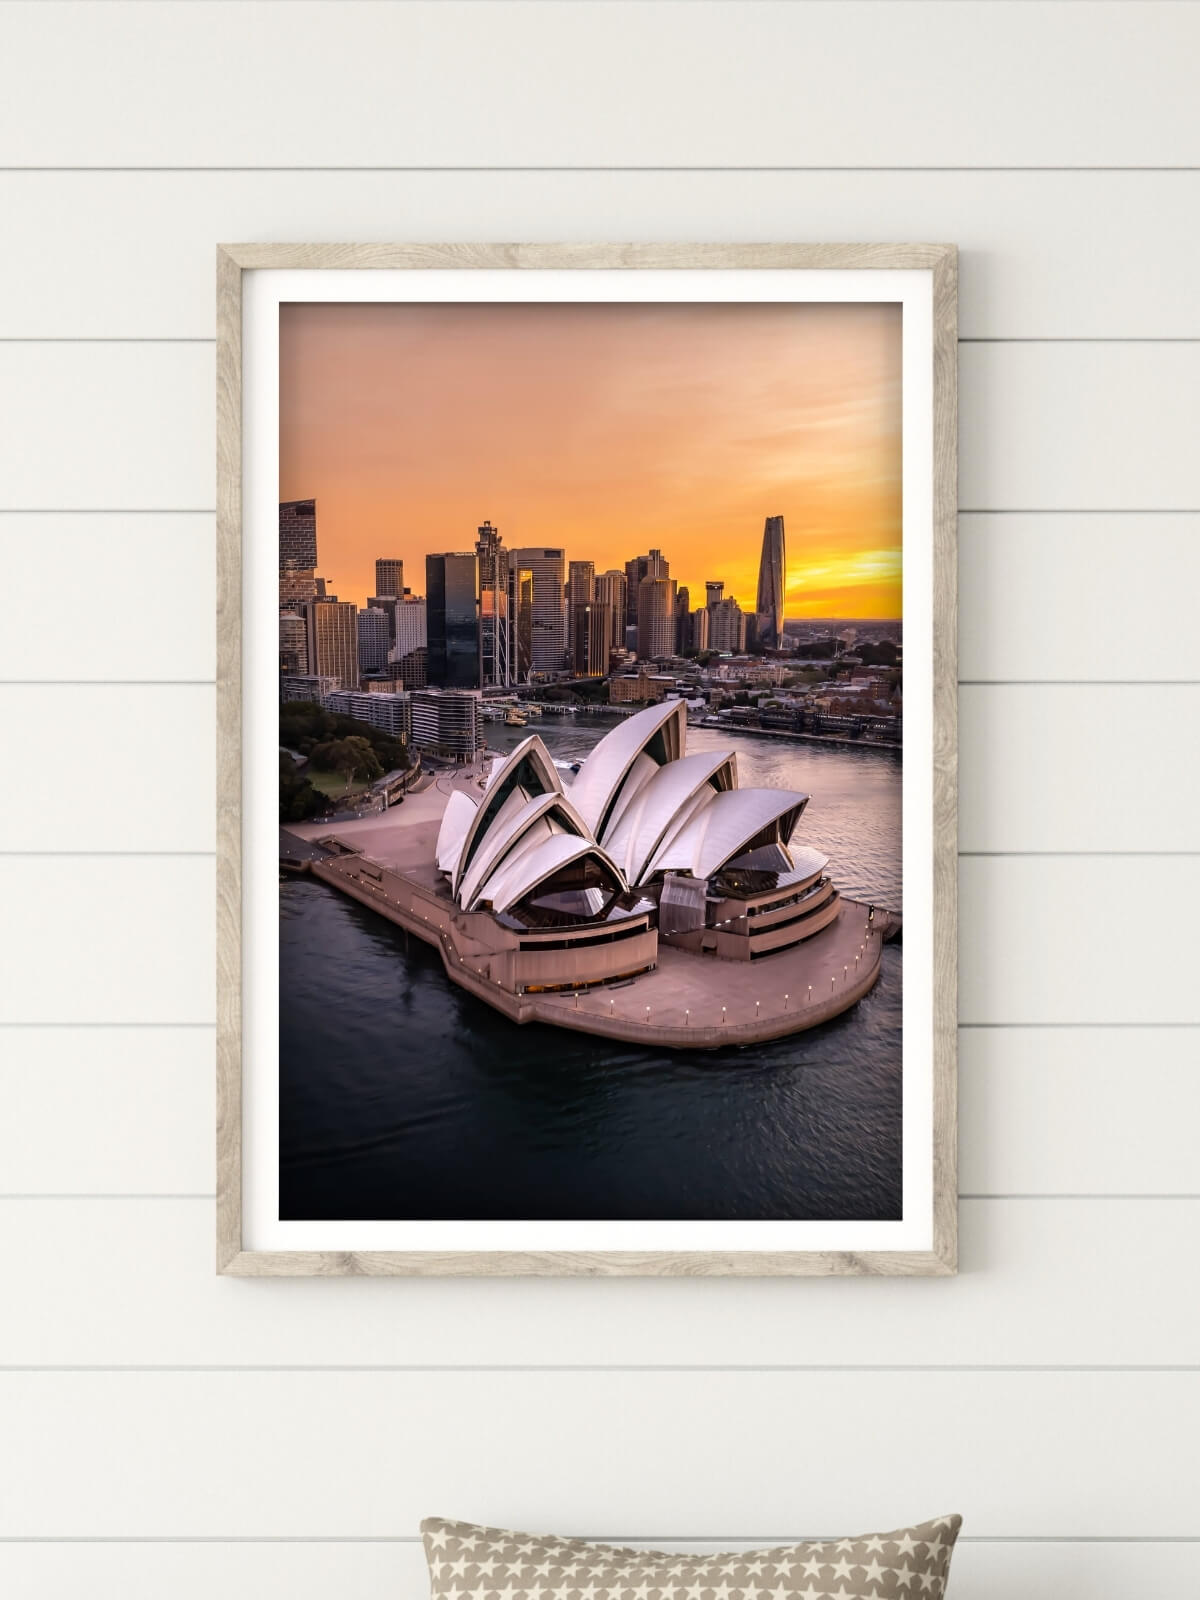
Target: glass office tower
x=452, y=620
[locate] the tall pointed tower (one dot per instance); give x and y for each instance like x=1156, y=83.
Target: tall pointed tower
x=772, y=575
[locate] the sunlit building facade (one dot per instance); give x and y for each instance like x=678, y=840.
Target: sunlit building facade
x=333, y=641
x=652, y=565
x=656, y=618
x=389, y=576
x=612, y=588
x=548, y=631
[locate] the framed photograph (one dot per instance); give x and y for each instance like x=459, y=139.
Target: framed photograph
x=587, y=781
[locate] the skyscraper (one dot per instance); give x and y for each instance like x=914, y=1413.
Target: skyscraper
x=656, y=618
x=411, y=630
x=698, y=637
x=293, y=644
x=726, y=627
x=581, y=591
x=714, y=591
x=612, y=589
x=549, y=634
x=297, y=551
x=373, y=640
x=772, y=577
x=389, y=576
x=333, y=640
x=452, y=620
x=591, y=636
x=520, y=611
x=683, y=619
x=494, y=630
x=647, y=566
x=581, y=583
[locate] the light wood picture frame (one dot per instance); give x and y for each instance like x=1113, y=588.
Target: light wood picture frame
x=239, y=1253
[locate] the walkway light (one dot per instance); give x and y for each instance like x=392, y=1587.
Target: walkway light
x=722, y=1013
x=686, y=1018
x=785, y=1001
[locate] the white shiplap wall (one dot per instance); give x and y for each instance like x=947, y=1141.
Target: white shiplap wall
x=166, y=1432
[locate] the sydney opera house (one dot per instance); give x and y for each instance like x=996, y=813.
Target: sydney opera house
x=645, y=832
x=652, y=893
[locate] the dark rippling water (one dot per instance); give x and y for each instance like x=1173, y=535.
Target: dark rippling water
x=401, y=1096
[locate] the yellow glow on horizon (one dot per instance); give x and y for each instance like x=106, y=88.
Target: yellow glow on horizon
x=608, y=430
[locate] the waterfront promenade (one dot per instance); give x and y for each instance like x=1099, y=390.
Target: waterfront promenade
x=688, y=1001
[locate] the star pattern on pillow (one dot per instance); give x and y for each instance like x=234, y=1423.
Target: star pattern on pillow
x=468, y=1562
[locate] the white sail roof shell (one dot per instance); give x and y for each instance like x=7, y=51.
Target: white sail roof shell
x=722, y=829
x=646, y=821
x=549, y=812
x=522, y=873
x=529, y=760
x=456, y=821
x=608, y=765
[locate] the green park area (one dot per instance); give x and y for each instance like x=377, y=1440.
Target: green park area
x=342, y=758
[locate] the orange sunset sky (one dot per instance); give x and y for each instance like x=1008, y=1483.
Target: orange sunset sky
x=606, y=429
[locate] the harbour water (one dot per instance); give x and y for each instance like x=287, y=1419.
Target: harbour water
x=401, y=1096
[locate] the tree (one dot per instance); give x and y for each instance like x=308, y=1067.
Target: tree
x=353, y=757
x=298, y=800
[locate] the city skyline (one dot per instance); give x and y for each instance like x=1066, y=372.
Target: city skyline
x=494, y=617
x=603, y=430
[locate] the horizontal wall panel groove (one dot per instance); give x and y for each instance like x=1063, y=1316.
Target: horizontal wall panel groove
x=609, y=1368
x=1079, y=425
x=1105, y=84
x=136, y=338
x=137, y=935
x=132, y=1111
x=1041, y=425
x=312, y=1568
x=370, y=1453
x=144, y=760
x=1053, y=1284
x=108, y=425
x=1077, y=597
x=1020, y=235
x=1077, y=769
x=963, y=511
x=1059, y=941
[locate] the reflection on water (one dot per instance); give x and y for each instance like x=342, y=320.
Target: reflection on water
x=401, y=1096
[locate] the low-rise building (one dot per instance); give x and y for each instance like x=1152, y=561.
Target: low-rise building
x=299, y=686
x=643, y=686
x=448, y=722
x=391, y=712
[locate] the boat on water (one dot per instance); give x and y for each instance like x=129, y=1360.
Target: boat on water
x=514, y=718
